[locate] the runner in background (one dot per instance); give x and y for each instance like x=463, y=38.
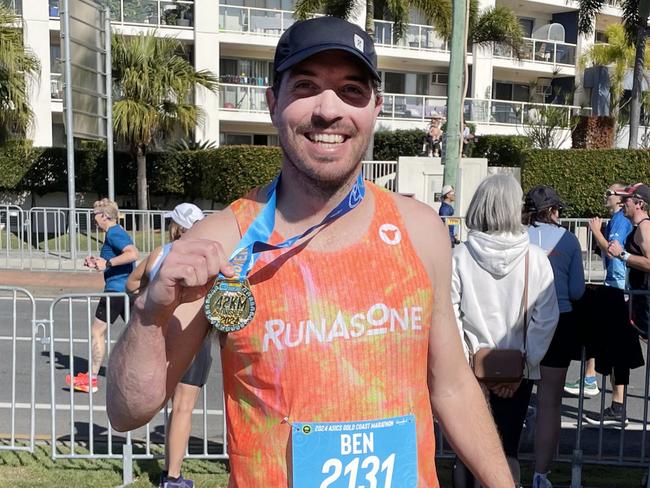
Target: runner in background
x=116, y=260
x=447, y=197
x=179, y=423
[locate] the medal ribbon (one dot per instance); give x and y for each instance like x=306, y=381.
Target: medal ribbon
x=254, y=241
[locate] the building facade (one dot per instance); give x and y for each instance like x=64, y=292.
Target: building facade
x=236, y=39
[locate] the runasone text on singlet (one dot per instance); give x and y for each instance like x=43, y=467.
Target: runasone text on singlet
x=378, y=319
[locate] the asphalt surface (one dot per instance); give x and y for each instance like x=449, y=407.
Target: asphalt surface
x=77, y=416
x=81, y=418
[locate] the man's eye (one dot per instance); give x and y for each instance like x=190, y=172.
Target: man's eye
x=353, y=90
x=303, y=85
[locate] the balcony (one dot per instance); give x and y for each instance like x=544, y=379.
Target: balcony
x=243, y=98
x=420, y=108
x=541, y=51
x=416, y=37
x=156, y=13
x=260, y=21
x=488, y=112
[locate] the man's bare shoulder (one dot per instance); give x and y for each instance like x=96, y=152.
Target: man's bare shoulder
x=426, y=230
x=219, y=226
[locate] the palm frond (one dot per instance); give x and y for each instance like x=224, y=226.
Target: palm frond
x=19, y=67
x=304, y=9
x=632, y=20
x=437, y=13
x=498, y=25
x=588, y=9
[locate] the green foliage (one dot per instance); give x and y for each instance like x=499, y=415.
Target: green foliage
x=502, y=150
x=497, y=25
x=581, y=176
x=16, y=157
x=18, y=68
x=223, y=174
x=230, y=172
x=390, y=145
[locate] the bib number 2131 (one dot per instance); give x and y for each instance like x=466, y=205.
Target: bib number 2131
x=369, y=454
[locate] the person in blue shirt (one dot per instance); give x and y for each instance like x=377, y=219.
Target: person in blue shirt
x=116, y=260
x=617, y=229
x=542, y=213
x=448, y=196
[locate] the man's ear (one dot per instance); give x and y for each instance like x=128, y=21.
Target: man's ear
x=379, y=102
x=271, y=102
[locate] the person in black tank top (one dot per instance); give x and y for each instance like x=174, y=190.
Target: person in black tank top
x=636, y=254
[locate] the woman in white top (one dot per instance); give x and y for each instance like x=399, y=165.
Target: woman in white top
x=487, y=289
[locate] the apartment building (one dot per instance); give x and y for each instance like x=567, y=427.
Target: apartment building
x=236, y=39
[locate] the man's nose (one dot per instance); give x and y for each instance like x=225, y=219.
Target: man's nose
x=327, y=107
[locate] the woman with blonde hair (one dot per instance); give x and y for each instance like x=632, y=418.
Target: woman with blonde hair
x=504, y=299
x=183, y=217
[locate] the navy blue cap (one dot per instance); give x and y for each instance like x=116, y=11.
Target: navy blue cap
x=309, y=37
x=542, y=197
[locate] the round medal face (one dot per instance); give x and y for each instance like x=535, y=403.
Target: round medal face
x=230, y=306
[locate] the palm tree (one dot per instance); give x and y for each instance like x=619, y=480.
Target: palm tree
x=154, y=84
x=635, y=15
x=18, y=68
x=618, y=54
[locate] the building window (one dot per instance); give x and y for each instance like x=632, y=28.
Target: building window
x=405, y=83
x=234, y=139
x=526, y=26
x=601, y=37
x=508, y=90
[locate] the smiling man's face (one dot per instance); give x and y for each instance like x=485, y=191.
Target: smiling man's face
x=325, y=112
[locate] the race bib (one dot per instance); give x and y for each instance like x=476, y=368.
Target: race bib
x=368, y=454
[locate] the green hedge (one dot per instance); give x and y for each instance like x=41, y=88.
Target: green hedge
x=223, y=174
x=581, y=176
x=390, y=145
x=502, y=150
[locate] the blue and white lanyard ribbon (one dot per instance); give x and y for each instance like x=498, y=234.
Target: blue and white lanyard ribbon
x=254, y=241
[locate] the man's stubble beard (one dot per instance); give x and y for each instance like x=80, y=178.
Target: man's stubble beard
x=322, y=185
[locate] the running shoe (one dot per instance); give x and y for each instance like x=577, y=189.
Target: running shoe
x=609, y=418
x=80, y=382
x=179, y=482
x=539, y=482
x=591, y=389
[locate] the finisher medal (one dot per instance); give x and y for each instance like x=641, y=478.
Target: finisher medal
x=230, y=306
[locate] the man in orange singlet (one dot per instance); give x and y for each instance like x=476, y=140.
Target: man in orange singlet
x=353, y=340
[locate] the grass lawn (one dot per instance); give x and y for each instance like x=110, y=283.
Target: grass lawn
x=25, y=470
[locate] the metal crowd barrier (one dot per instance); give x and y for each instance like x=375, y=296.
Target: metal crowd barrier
x=79, y=428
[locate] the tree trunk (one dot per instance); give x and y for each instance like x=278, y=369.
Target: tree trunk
x=637, y=85
x=141, y=159
x=370, y=17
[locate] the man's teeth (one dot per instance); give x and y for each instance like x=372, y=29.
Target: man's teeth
x=327, y=138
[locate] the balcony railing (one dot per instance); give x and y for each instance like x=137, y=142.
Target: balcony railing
x=157, y=13
x=416, y=37
x=541, y=51
x=490, y=112
x=56, y=86
x=248, y=98
x=262, y=21
x=242, y=98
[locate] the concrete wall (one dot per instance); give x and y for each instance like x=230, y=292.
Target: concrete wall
x=423, y=178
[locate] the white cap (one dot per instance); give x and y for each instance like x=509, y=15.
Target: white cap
x=446, y=189
x=185, y=215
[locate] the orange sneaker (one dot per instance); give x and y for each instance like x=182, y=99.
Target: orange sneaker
x=80, y=382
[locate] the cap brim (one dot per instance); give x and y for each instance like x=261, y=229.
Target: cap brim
x=300, y=56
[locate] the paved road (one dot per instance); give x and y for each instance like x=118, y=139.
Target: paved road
x=71, y=320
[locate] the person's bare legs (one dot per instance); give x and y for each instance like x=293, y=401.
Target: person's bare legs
x=178, y=427
x=548, y=421
x=98, y=344
x=590, y=367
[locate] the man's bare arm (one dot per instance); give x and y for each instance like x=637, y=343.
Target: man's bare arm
x=167, y=324
x=456, y=398
x=642, y=262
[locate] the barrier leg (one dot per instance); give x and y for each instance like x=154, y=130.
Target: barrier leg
x=576, y=469
x=576, y=462
x=127, y=464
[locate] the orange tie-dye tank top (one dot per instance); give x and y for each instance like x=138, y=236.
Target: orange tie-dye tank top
x=337, y=336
